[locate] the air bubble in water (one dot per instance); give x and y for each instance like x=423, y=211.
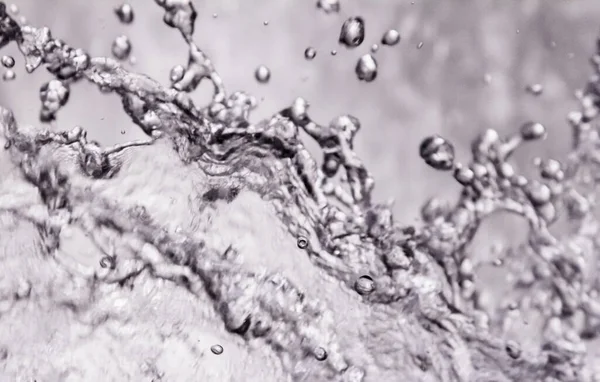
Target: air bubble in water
x=534, y=89
x=364, y=285
x=216, y=349
x=329, y=6
x=532, y=131
x=9, y=75
x=125, y=13
x=353, y=32
x=310, y=53
x=262, y=74
x=366, y=68
x=391, y=37
x=320, y=354
x=437, y=152
x=302, y=242
x=176, y=73
x=121, y=47
x=8, y=62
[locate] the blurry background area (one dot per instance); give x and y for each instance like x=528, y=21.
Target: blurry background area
x=476, y=59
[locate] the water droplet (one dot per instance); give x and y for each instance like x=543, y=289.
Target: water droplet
x=532, y=131
x=9, y=75
x=364, y=285
x=125, y=13
x=538, y=193
x=333, y=52
x=266, y=22
x=329, y=6
x=534, y=89
x=8, y=62
x=310, y=53
x=14, y=9
x=176, y=73
x=353, y=32
x=302, y=242
x=216, y=349
x=262, y=74
x=374, y=48
x=437, y=152
x=121, y=47
x=513, y=349
x=551, y=169
x=299, y=109
x=487, y=78
x=420, y=45
x=215, y=15
x=366, y=68
x=464, y=175
x=123, y=132
x=391, y=37
x=320, y=354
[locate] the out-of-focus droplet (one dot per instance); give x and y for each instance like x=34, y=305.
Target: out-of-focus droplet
x=464, y=175
x=302, y=242
x=9, y=75
x=353, y=32
x=329, y=6
x=534, y=89
x=121, y=47
x=538, y=193
x=216, y=349
x=262, y=74
x=299, y=109
x=513, y=349
x=437, y=152
x=125, y=13
x=532, y=131
x=487, y=78
x=374, y=48
x=551, y=169
x=310, y=53
x=320, y=354
x=14, y=9
x=8, y=62
x=420, y=45
x=176, y=73
x=215, y=15
x=366, y=68
x=364, y=285
x=333, y=52
x=390, y=38
x=123, y=132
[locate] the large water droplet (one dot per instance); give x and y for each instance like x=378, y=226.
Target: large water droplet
x=8, y=62
x=532, y=131
x=9, y=75
x=121, y=47
x=216, y=349
x=366, y=68
x=262, y=74
x=310, y=53
x=391, y=37
x=364, y=285
x=329, y=6
x=125, y=13
x=353, y=32
x=437, y=152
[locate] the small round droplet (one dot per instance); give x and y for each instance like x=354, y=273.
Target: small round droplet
x=366, y=68
x=215, y=15
x=262, y=74
x=176, y=73
x=437, y=152
x=13, y=9
x=266, y=22
x=391, y=37
x=538, y=193
x=8, y=62
x=216, y=349
x=464, y=175
x=532, y=131
x=329, y=6
x=420, y=45
x=123, y=132
x=374, y=48
x=364, y=285
x=320, y=354
x=9, y=75
x=534, y=89
x=333, y=52
x=310, y=53
x=125, y=13
x=121, y=47
x=353, y=32
x=487, y=78
x=513, y=349
x=302, y=242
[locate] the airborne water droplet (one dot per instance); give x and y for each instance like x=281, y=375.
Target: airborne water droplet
x=534, y=89
x=333, y=52
x=420, y=45
x=364, y=285
x=216, y=349
x=176, y=73
x=262, y=74
x=9, y=75
x=366, y=68
x=532, y=131
x=125, y=13
x=302, y=242
x=310, y=53
x=374, y=48
x=353, y=32
x=320, y=354
x=121, y=47
x=8, y=62
x=391, y=37
x=329, y=6
x=437, y=152
x=13, y=9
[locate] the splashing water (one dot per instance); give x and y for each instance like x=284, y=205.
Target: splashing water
x=335, y=222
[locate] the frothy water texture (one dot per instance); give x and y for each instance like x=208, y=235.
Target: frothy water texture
x=426, y=318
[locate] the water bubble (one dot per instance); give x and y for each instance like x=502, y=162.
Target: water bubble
x=125, y=13
x=532, y=131
x=266, y=22
x=302, y=242
x=215, y=15
x=8, y=61
x=364, y=285
x=513, y=349
x=9, y=75
x=216, y=349
x=366, y=68
x=121, y=47
x=353, y=32
x=329, y=6
x=420, y=45
x=123, y=132
x=437, y=152
x=391, y=37
x=374, y=48
x=310, y=53
x=534, y=89
x=176, y=73
x=262, y=74
x=320, y=354
x=333, y=52
x=551, y=169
